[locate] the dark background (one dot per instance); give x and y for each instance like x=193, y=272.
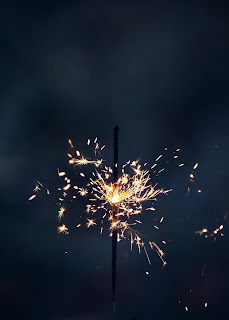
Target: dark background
x=73, y=70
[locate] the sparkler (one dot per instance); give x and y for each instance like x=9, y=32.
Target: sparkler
x=119, y=200
x=115, y=213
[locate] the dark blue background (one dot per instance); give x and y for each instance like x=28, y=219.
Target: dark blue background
x=73, y=70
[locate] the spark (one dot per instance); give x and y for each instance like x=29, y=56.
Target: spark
x=36, y=189
x=70, y=142
x=32, y=197
x=188, y=191
x=161, y=171
x=83, y=192
x=61, y=174
x=83, y=161
x=147, y=255
x=200, y=232
x=61, y=213
x=195, y=166
x=151, y=208
x=159, y=251
x=63, y=229
x=158, y=158
x=131, y=241
x=118, y=237
x=90, y=222
x=66, y=187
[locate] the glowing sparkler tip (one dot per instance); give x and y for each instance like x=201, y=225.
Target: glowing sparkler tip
x=115, y=198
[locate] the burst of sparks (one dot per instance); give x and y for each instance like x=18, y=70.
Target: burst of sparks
x=129, y=194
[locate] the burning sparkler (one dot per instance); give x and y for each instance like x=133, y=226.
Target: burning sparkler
x=115, y=199
x=120, y=200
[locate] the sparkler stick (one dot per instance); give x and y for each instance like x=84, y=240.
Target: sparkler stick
x=115, y=212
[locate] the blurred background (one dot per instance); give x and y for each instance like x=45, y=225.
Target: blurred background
x=72, y=70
